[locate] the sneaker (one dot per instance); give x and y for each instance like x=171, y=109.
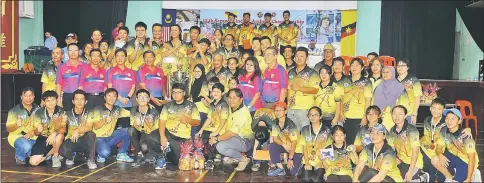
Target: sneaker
x=91, y=164
x=209, y=165
x=124, y=158
x=229, y=160
x=218, y=158
x=160, y=164
x=138, y=162
x=100, y=159
x=424, y=177
x=48, y=158
x=69, y=162
x=276, y=172
x=242, y=164
x=56, y=162
x=19, y=162
x=256, y=167
x=449, y=180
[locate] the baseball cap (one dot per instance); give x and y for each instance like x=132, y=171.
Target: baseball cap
x=379, y=128
x=71, y=35
x=268, y=15
x=280, y=104
x=453, y=111
x=328, y=46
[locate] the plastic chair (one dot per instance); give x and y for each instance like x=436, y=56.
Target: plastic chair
x=388, y=61
x=347, y=60
x=346, y=70
x=365, y=60
x=462, y=105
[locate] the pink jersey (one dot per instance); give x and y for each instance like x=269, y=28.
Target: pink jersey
x=93, y=81
x=275, y=79
x=68, y=76
x=249, y=89
x=153, y=79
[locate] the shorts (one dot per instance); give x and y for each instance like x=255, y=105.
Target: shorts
x=40, y=147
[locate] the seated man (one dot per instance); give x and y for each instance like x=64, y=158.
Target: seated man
x=238, y=137
x=176, y=121
x=459, y=160
x=20, y=130
x=79, y=137
x=103, y=119
x=51, y=126
x=144, y=128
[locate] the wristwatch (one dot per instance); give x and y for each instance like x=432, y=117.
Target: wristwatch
x=129, y=97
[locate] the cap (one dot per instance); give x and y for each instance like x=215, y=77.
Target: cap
x=280, y=104
x=453, y=111
x=379, y=128
x=71, y=35
x=268, y=15
x=205, y=40
x=328, y=46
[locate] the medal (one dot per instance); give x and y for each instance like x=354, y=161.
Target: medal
x=313, y=152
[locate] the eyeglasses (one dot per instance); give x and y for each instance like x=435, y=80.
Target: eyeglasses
x=176, y=92
x=401, y=65
x=143, y=97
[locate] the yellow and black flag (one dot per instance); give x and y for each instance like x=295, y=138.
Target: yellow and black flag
x=348, y=31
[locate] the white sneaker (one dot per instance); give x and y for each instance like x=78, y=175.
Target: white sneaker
x=69, y=162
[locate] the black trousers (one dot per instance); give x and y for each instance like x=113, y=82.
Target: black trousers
x=368, y=173
x=313, y=175
x=85, y=144
x=67, y=104
x=175, y=147
x=404, y=168
x=338, y=178
x=94, y=100
x=352, y=126
x=209, y=151
x=144, y=142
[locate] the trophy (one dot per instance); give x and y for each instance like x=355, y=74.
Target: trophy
x=178, y=76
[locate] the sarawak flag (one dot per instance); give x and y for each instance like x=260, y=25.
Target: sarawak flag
x=168, y=19
x=348, y=31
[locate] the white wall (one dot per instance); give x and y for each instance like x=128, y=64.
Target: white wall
x=257, y=5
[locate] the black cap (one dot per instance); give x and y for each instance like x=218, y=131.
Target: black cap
x=205, y=40
x=268, y=15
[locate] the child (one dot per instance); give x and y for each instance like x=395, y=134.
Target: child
x=341, y=156
x=459, y=159
x=373, y=115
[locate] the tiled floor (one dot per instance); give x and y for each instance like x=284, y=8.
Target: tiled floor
x=113, y=171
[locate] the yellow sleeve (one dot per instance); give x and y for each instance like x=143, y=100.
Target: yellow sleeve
x=363, y=155
x=44, y=78
x=414, y=138
x=224, y=113
x=281, y=61
x=338, y=93
x=358, y=139
x=164, y=113
x=36, y=122
x=274, y=132
x=130, y=49
x=368, y=90
x=124, y=113
x=470, y=145
x=388, y=162
x=93, y=116
x=11, y=118
x=132, y=120
x=195, y=113
x=313, y=80
x=417, y=89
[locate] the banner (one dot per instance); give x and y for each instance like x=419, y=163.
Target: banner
x=348, y=31
x=9, y=36
x=187, y=19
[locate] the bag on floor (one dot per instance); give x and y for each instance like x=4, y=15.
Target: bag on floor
x=186, y=159
x=198, y=157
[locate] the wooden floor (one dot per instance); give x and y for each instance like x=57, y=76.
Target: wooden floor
x=113, y=171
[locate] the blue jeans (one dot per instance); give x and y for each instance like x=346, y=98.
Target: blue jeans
x=460, y=173
x=103, y=144
x=196, y=129
x=22, y=148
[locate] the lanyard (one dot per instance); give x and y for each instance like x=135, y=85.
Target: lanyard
x=77, y=119
x=143, y=117
x=433, y=127
x=375, y=156
x=316, y=135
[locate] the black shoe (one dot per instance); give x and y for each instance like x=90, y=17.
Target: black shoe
x=209, y=165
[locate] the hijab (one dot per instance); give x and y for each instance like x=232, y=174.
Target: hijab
x=198, y=83
x=388, y=91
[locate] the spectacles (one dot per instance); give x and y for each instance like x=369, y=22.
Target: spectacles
x=176, y=92
x=401, y=65
x=143, y=97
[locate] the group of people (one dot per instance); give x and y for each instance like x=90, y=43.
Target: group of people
x=239, y=101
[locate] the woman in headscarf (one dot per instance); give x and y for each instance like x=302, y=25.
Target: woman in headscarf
x=387, y=94
x=196, y=94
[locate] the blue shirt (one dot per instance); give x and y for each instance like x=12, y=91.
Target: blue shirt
x=50, y=42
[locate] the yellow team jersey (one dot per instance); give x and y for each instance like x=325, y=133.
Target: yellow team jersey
x=457, y=145
x=404, y=141
x=75, y=121
x=239, y=122
x=50, y=124
x=217, y=113
x=49, y=77
x=139, y=55
x=148, y=121
x=413, y=90
x=246, y=34
x=180, y=59
x=100, y=112
x=269, y=31
x=315, y=143
x=431, y=135
x=355, y=95
x=172, y=113
x=20, y=113
x=308, y=78
x=385, y=160
x=288, y=31
x=340, y=163
x=287, y=134
x=327, y=98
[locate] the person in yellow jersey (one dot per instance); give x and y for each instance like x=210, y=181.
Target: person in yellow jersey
x=328, y=56
x=287, y=31
x=387, y=94
x=265, y=44
x=50, y=69
x=432, y=127
x=219, y=71
x=176, y=121
x=50, y=124
x=246, y=31
x=104, y=119
x=285, y=138
x=191, y=46
x=231, y=27
x=328, y=97
x=357, y=97
x=201, y=55
x=456, y=157
x=156, y=43
x=215, y=124
x=413, y=90
x=338, y=157
x=256, y=46
x=121, y=41
x=404, y=138
x=375, y=72
x=228, y=50
x=137, y=46
x=144, y=132
x=303, y=86
x=314, y=137
x=80, y=137
x=238, y=138
x=174, y=48
x=373, y=115
x=268, y=29
x=21, y=131
x=376, y=162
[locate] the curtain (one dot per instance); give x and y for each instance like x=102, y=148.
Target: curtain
x=422, y=32
x=474, y=20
